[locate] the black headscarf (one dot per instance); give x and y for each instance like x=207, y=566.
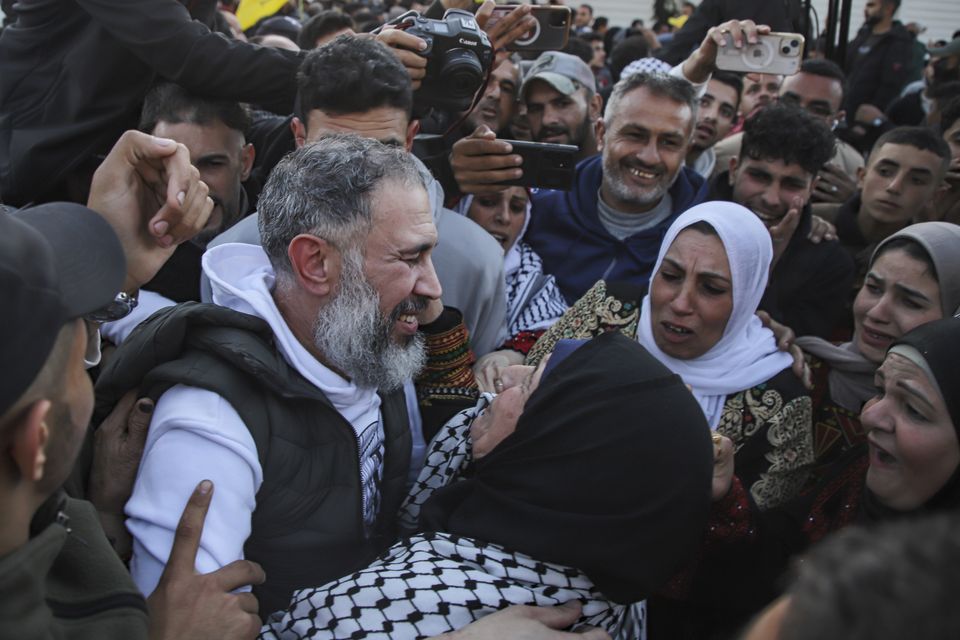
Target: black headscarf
x=938, y=343
x=608, y=471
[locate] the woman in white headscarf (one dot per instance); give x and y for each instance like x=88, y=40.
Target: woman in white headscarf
x=698, y=319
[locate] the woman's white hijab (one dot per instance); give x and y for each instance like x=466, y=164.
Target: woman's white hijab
x=747, y=353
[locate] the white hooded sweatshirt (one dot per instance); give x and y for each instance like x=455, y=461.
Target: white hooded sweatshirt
x=196, y=435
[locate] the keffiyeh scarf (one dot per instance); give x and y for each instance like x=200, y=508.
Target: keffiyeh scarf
x=433, y=583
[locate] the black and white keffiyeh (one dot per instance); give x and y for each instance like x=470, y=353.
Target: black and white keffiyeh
x=433, y=583
x=577, y=483
x=534, y=301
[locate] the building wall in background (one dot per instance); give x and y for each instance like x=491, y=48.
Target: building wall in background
x=940, y=17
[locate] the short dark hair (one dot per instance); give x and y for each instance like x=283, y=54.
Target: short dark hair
x=949, y=113
x=824, y=68
x=593, y=36
x=732, y=80
x=788, y=133
x=579, y=47
x=589, y=8
x=353, y=75
x=922, y=138
x=658, y=84
x=322, y=25
x=897, y=580
x=626, y=51
x=944, y=91
x=169, y=102
x=600, y=21
x=895, y=3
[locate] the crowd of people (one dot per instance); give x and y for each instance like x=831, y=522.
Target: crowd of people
x=295, y=349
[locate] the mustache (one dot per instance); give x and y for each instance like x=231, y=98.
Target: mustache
x=553, y=130
x=413, y=305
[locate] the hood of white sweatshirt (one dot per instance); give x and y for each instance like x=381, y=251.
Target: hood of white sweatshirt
x=242, y=279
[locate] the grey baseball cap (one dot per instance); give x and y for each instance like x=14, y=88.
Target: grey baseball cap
x=952, y=48
x=564, y=72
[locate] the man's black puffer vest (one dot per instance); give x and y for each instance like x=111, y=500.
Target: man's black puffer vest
x=307, y=527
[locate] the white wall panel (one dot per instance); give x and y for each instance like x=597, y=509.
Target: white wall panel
x=940, y=17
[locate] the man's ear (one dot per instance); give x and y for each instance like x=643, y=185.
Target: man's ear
x=299, y=132
x=600, y=130
x=594, y=109
x=315, y=263
x=28, y=444
x=734, y=163
x=861, y=174
x=247, y=155
x=412, y=130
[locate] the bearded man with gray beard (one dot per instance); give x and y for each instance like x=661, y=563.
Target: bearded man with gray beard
x=287, y=392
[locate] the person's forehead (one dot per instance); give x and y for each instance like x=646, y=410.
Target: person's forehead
x=906, y=156
x=762, y=79
x=813, y=87
x=540, y=91
x=655, y=112
x=202, y=139
x=381, y=123
x=507, y=70
x=722, y=91
x=776, y=167
x=401, y=212
x=899, y=367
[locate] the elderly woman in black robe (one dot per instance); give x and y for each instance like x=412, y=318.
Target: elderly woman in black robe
x=588, y=480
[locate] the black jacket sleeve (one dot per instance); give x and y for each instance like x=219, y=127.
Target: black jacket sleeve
x=163, y=36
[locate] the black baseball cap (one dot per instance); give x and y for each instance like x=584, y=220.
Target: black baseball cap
x=58, y=262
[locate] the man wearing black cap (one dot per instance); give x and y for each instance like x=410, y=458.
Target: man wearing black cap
x=61, y=265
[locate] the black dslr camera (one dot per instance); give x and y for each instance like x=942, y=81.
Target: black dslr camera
x=458, y=56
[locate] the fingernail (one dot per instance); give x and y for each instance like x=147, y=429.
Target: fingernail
x=160, y=227
x=166, y=241
x=164, y=142
x=145, y=406
x=181, y=197
x=204, y=487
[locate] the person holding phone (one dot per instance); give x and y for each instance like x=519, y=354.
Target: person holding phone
x=611, y=223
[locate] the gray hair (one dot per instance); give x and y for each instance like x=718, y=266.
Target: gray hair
x=659, y=84
x=325, y=189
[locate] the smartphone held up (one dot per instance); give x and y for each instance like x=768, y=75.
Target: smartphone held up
x=773, y=53
x=551, y=32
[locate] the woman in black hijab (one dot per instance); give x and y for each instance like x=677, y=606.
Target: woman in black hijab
x=908, y=466
x=598, y=495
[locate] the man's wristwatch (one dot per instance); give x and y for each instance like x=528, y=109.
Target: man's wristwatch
x=121, y=307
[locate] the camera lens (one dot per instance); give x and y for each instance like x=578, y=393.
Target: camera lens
x=461, y=73
x=786, y=50
x=794, y=43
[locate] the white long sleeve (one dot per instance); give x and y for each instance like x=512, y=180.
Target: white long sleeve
x=194, y=435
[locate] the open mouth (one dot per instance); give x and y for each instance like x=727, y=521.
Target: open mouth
x=408, y=323
x=880, y=454
x=499, y=237
x=876, y=338
x=643, y=175
x=675, y=329
x=706, y=131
